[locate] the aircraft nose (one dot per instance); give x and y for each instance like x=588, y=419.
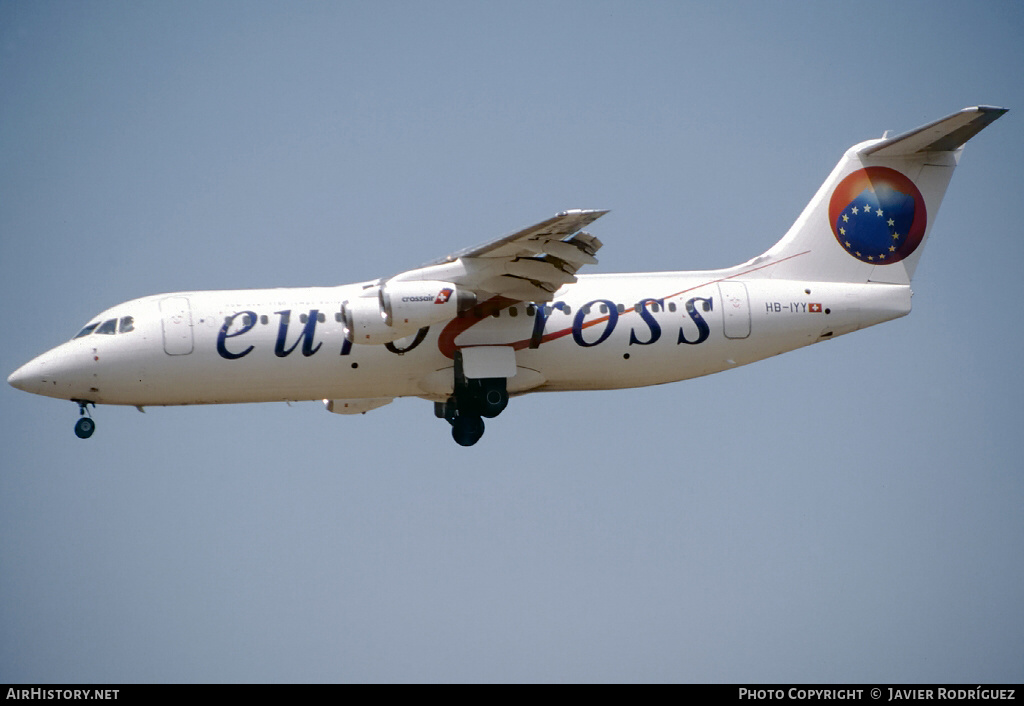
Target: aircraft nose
x=28, y=377
x=49, y=374
x=65, y=372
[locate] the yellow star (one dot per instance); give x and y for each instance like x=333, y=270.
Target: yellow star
x=846, y=219
x=842, y=231
x=895, y=236
x=891, y=223
x=892, y=248
x=855, y=212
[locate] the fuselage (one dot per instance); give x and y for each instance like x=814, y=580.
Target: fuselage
x=513, y=315
x=602, y=332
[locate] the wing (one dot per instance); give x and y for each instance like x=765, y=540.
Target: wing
x=529, y=265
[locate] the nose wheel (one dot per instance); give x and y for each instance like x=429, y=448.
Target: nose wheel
x=85, y=426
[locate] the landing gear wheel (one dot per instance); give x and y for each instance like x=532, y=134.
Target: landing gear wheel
x=492, y=398
x=467, y=429
x=84, y=427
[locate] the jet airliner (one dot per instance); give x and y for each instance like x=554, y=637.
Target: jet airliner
x=512, y=316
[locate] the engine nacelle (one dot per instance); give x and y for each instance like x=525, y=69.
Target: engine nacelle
x=401, y=309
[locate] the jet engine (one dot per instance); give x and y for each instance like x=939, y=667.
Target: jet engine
x=400, y=309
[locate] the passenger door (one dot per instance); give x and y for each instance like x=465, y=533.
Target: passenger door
x=177, y=325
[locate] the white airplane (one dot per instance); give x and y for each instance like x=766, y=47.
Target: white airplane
x=512, y=316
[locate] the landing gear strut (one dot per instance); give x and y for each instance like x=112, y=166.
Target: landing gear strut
x=472, y=400
x=85, y=426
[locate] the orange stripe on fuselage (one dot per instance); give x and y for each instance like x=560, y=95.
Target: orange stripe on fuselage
x=459, y=325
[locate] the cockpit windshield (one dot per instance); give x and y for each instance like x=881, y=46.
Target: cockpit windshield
x=87, y=330
x=109, y=327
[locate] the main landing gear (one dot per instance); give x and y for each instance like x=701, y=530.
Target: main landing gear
x=85, y=426
x=471, y=401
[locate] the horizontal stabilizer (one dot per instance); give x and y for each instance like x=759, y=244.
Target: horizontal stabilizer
x=945, y=135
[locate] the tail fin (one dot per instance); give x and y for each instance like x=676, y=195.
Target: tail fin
x=870, y=219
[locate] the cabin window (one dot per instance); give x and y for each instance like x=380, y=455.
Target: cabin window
x=247, y=320
x=604, y=308
x=620, y=308
x=671, y=306
x=127, y=324
x=303, y=318
x=321, y=317
x=87, y=330
x=513, y=311
x=531, y=310
x=108, y=327
x=264, y=319
x=337, y=316
x=496, y=313
x=566, y=309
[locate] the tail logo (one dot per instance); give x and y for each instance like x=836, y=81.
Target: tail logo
x=443, y=296
x=877, y=215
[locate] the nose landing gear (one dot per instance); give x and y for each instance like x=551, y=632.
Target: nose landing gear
x=85, y=426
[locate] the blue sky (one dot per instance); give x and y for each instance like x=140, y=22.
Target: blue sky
x=846, y=512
